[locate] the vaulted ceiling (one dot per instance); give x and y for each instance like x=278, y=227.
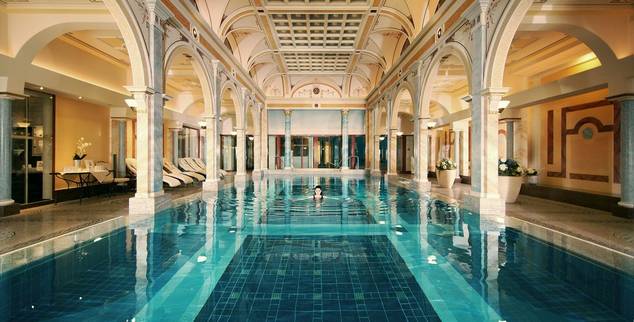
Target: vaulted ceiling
x=317, y=48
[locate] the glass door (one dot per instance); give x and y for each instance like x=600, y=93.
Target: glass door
x=327, y=151
x=301, y=155
x=32, y=139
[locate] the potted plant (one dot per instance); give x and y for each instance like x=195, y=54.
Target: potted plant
x=510, y=175
x=531, y=174
x=446, y=172
x=80, y=152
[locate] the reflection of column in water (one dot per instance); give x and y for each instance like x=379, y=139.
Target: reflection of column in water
x=287, y=200
x=344, y=201
x=240, y=190
x=492, y=263
x=327, y=156
x=477, y=240
x=457, y=222
x=423, y=211
x=262, y=201
x=142, y=266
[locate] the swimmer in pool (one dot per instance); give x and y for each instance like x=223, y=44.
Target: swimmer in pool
x=318, y=194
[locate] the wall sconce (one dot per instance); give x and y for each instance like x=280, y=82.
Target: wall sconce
x=251, y=138
x=202, y=124
x=399, y=133
x=503, y=105
x=431, y=124
x=234, y=132
x=381, y=138
x=467, y=98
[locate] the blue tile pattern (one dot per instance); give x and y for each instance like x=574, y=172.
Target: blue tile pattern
x=317, y=278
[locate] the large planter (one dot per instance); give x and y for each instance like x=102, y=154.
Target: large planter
x=446, y=178
x=509, y=187
x=77, y=163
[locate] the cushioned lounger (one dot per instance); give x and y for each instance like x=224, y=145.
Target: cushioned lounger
x=172, y=169
x=167, y=179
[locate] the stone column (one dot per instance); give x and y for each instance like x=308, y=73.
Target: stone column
x=345, y=165
x=484, y=197
x=257, y=151
x=175, y=146
x=241, y=164
x=392, y=150
x=456, y=153
x=149, y=197
x=626, y=128
x=264, y=142
x=288, y=154
x=375, y=141
x=7, y=204
x=510, y=139
x=433, y=147
x=121, y=147
x=423, y=151
x=211, y=140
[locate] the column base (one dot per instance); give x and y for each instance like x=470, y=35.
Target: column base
x=375, y=173
x=256, y=175
x=240, y=178
x=484, y=205
x=149, y=204
x=9, y=208
x=624, y=210
x=211, y=185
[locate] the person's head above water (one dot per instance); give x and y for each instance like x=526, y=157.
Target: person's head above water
x=318, y=192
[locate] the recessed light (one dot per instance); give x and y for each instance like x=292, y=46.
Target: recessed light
x=81, y=97
x=41, y=88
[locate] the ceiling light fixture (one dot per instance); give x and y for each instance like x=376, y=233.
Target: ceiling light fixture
x=81, y=97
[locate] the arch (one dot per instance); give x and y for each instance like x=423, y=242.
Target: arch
x=123, y=21
x=199, y=67
x=231, y=87
x=404, y=86
x=431, y=73
x=510, y=22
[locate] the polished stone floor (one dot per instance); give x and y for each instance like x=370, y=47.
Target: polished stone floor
x=540, y=217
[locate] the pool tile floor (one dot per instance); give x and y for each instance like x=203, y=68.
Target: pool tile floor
x=317, y=278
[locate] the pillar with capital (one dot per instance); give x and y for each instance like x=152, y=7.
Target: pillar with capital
x=376, y=141
x=423, y=151
x=287, y=139
x=149, y=197
x=257, y=145
x=241, y=142
x=344, y=140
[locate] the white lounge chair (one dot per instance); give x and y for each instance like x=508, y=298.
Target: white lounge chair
x=188, y=165
x=167, y=179
x=171, y=168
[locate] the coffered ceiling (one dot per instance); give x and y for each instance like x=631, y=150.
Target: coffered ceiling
x=343, y=45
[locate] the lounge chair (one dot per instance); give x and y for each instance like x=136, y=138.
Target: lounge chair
x=167, y=179
x=188, y=165
x=174, y=171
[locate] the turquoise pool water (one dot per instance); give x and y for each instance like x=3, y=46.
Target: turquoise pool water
x=370, y=251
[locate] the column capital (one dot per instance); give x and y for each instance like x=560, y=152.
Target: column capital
x=494, y=91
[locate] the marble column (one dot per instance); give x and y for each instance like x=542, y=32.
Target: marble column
x=149, y=197
x=456, y=148
x=423, y=151
x=433, y=147
x=241, y=164
x=7, y=205
x=345, y=164
x=211, y=140
x=392, y=150
x=175, y=146
x=484, y=197
x=121, y=147
x=288, y=154
x=257, y=151
x=375, y=141
x=510, y=139
x=626, y=128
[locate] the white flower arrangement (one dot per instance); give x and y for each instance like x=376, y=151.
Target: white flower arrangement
x=446, y=164
x=511, y=168
x=531, y=172
x=80, y=149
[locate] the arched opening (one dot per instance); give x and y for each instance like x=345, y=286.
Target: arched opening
x=445, y=102
x=186, y=86
x=403, y=122
x=72, y=71
x=230, y=124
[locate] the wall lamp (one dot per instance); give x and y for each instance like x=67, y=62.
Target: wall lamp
x=503, y=105
x=132, y=103
x=431, y=124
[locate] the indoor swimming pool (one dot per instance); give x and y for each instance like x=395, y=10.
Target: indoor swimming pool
x=266, y=251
